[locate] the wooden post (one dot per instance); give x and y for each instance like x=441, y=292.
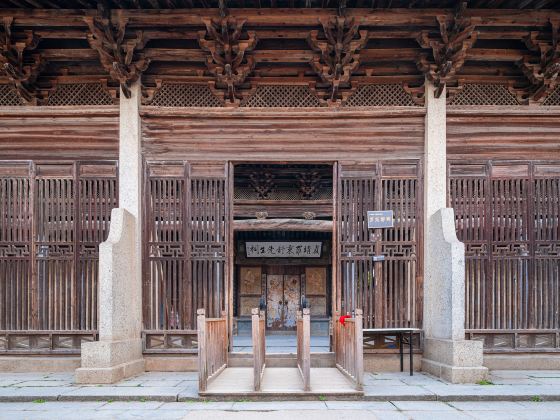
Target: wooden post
x=257, y=349
x=304, y=349
x=202, y=365
x=358, y=323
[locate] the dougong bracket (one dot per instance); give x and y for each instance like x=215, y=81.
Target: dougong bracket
x=228, y=44
x=22, y=69
x=120, y=56
x=337, y=56
x=456, y=36
x=543, y=66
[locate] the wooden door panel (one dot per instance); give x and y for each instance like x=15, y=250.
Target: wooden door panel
x=274, y=301
x=291, y=299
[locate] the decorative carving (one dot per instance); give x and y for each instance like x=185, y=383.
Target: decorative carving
x=22, y=70
x=262, y=183
x=120, y=56
x=337, y=56
x=542, y=71
x=309, y=183
x=309, y=215
x=261, y=215
x=457, y=36
x=228, y=45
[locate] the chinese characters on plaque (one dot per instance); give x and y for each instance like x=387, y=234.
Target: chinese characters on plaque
x=380, y=219
x=283, y=249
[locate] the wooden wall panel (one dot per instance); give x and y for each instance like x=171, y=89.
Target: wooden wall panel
x=317, y=135
x=59, y=133
x=503, y=133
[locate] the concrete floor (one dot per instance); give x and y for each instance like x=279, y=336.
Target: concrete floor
x=279, y=344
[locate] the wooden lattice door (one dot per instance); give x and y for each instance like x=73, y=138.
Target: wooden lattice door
x=507, y=214
x=388, y=292
x=186, y=218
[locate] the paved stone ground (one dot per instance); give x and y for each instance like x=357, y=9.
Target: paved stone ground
x=183, y=386
x=310, y=410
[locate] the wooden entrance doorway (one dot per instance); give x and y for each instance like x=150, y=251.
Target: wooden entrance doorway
x=283, y=297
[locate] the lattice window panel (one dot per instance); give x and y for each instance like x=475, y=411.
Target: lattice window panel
x=484, y=94
x=380, y=95
x=553, y=99
x=80, y=94
x=185, y=95
x=282, y=96
x=9, y=97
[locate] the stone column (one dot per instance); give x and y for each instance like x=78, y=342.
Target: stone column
x=446, y=352
x=118, y=353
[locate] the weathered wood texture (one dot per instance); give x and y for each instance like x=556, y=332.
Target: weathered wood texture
x=53, y=216
x=390, y=292
x=212, y=348
x=507, y=214
x=503, y=133
x=303, y=331
x=185, y=240
x=59, y=133
x=316, y=135
x=259, y=346
x=348, y=347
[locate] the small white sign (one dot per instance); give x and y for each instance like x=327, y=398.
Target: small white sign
x=283, y=249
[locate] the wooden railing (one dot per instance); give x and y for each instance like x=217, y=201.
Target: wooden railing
x=304, y=347
x=259, y=347
x=212, y=348
x=348, y=347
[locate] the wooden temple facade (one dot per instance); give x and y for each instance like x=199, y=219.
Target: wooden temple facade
x=272, y=121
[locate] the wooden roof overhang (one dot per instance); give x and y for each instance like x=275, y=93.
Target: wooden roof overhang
x=43, y=46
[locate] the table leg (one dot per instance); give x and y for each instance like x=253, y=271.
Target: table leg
x=399, y=335
x=410, y=352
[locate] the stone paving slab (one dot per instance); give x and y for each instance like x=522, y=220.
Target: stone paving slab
x=114, y=393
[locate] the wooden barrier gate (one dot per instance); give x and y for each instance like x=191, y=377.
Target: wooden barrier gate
x=212, y=348
x=348, y=347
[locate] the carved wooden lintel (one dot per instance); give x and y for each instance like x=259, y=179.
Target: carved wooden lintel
x=21, y=69
x=228, y=44
x=120, y=56
x=542, y=67
x=456, y=36
x=262, y=183
x=337, y=55
x=309, y=184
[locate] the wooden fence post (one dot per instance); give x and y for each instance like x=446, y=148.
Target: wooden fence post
x=202, y=365
x=359, y=349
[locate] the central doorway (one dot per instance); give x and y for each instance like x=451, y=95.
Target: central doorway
x=283, y=297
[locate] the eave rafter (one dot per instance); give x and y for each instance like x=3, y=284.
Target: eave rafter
x=121, y=57
x=543, y=66
x=21, y=67
x=337, y=55
x=456, y=36
x=228, y=45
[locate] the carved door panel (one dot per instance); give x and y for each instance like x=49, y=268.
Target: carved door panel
x=275, y=301
x=291, y=299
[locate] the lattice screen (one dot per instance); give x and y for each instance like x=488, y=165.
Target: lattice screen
x=380, y=95
x=484, y=94
x=9, y=97
x=80, y=94
x=553, y=99
x=185, y=95
x=282, y=96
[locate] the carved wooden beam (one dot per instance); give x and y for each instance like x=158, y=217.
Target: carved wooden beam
x=262, y=183
x=543, y=66
x=120, y=55
x=337, y=55
x=21, y=69
x=456, y=36
x=227, y=45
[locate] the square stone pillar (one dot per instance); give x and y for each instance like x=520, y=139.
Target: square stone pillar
x=118, y=353
x=446, y=352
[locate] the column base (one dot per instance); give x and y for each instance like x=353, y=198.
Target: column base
x=107, y=362
x=456, y=361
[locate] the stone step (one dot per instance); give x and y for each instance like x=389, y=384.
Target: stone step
x=318, y=360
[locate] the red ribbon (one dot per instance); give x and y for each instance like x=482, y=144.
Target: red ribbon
x=343, y=318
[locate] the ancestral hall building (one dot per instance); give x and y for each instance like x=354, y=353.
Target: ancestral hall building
x=163, y=156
